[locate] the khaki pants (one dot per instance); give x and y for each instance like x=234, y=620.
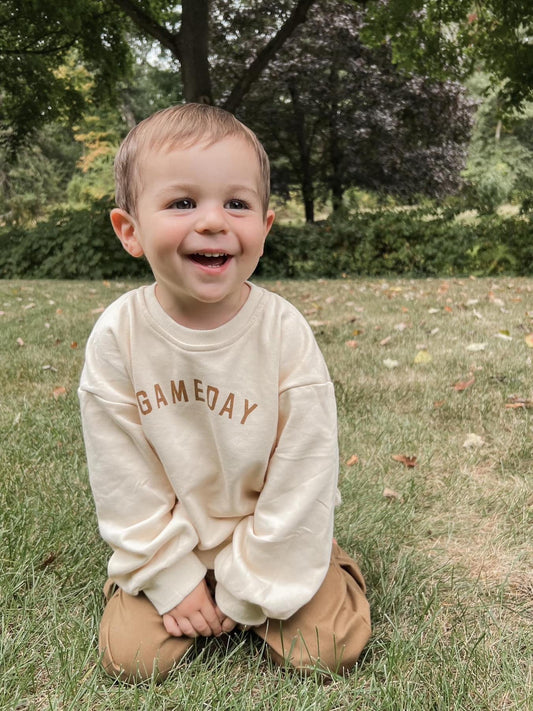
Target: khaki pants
x=327, y=633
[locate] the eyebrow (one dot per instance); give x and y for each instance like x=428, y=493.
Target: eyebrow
x=194, y=187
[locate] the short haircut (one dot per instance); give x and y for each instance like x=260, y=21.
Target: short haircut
x=180, y=127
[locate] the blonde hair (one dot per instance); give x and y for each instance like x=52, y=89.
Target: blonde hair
x=180, y=127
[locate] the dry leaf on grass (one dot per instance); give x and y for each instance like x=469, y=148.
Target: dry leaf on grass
x=463, y=385
x=351, y=344
x=529, y=340
x=59, y=392
x=422, y=357
x=390, y=364
x=515, y=402
x=473, y=441
x=20, y=342
x=391, y=494
x=405, y=460
x=353, y=460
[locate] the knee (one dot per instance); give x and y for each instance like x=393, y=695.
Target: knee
x=133, y=643
x=324, y=650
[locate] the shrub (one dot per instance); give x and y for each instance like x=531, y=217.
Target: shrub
x=70, y=244
x=408, y=243
x=79, y=244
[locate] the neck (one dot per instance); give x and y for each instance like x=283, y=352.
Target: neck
x=205, y=316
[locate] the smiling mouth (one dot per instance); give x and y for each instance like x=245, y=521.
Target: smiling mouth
x=210, y=260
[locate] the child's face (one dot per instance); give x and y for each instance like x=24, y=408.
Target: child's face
x=200, y=223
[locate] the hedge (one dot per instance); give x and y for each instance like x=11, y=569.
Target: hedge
x=79, y=244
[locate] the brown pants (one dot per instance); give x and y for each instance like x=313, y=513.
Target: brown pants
x=328, y=633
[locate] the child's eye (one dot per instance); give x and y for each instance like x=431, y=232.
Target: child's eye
x=183, y=204
x=236, y=205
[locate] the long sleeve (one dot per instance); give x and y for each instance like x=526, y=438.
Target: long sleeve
x=280, y=554
x=138, y=514
x=212, y=449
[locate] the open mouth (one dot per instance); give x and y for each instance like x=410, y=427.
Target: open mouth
x=210, y=260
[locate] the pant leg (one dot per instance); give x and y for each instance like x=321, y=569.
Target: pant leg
x=133, y=640
x=330, y=631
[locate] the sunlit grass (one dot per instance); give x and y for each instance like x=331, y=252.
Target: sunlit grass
x=447, y=552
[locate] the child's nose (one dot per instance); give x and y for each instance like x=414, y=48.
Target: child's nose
x=211, y=219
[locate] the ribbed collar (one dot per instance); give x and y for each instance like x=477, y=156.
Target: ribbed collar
x=193, y=339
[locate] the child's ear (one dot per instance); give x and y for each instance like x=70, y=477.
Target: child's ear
x=126, y=230
x=269, y=219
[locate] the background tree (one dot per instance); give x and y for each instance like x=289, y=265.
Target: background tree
x=451, y=38
x=35, y=38
x=341, y=115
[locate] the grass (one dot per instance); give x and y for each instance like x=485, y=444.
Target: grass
x=445, y=545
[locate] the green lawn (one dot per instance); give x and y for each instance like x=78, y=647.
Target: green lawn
x=436, y=370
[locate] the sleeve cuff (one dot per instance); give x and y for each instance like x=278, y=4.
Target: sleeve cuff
x=172, y=585
x=246, y=613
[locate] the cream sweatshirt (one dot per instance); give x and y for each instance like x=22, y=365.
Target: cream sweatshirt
x=212, y=449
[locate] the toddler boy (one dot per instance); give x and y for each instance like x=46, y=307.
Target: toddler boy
x=210, y=422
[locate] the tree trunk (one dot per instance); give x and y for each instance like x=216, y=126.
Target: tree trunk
x=335, y=152
x=305, y=169
x=194, y=46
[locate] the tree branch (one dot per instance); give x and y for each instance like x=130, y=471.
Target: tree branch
x=253, y=71
x=146, y=22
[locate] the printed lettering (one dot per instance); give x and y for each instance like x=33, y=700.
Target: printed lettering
x=211, y=396
x=144, y=403
x=247, y=411
x=179, y=393
x=228, y=406
x=198, y=390
x=159, y=396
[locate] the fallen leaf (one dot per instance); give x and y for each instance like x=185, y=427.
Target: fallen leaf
x=473, y=441
x=504, y=335
x=448, y=309
x=50, y=367
x=400, y=326
x=463, y=385
x=406, y=461
x=28, y=306
x=351, y=344
x=529, y=340
x=438, y=403
x=353, y=460
x=433, y=311
x=391, y=494
x=59, y=392
x=389, y=363
x=515, y=402
x=422, y=357
x=93, y=311
x=20, y=342
x=385, y=341
x=474, y=347
x=74, y=344
x=356, y=332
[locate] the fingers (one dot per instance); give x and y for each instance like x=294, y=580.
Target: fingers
x=228, y=625
x=172, y=626
x=226, y=622
x=197, y=624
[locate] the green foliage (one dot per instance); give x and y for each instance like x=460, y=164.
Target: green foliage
x=70, y=244
x=500, y=161
x=408, y=243
x=79, y=244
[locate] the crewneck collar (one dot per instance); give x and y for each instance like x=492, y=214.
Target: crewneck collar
x=194, y=339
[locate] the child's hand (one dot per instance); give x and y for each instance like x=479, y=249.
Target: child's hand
x=197, y=615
